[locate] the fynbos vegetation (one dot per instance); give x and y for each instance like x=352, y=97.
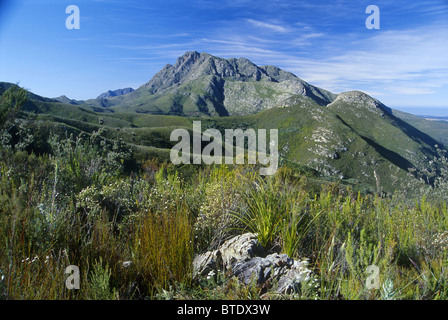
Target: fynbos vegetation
x=86, y=194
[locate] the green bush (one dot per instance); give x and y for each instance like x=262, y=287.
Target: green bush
x=100, y=282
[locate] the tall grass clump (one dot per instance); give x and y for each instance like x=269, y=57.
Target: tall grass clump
x=266, y=203
x=100, y=282
x=275, y=211
x=162, y=248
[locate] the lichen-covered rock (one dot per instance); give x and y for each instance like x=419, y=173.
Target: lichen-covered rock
x=206, y=262
x=262, y=269
x=243, y=257
x=295, y=275
x=282, y=272
x=239, y=249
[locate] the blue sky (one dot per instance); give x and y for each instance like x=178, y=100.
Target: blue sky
x=124, y=43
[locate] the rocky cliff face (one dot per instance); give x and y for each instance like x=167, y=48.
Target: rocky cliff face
x=193, y=65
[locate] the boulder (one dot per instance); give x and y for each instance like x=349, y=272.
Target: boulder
x=278, y=270
x=237, y=249
x=206, y=262
x=291, y=280
x=243, y=257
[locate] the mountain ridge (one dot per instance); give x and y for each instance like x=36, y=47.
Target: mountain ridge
x=115, y=93
x=202, y=84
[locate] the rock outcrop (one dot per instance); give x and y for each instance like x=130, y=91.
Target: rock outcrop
x=243, y=257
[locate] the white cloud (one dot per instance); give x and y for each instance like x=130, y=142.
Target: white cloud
x=274, y=27
x=414, y=59
x=410, y=90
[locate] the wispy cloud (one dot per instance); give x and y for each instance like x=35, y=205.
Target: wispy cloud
x=145, y=49
x=153, y=35
x=304, y=39
x=415, y=56
x=270, y=26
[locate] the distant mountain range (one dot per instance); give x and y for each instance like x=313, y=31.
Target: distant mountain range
x=349, y=136
x=105, y=95
x=436, y=118
x=115, y=93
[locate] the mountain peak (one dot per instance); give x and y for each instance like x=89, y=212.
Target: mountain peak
x=189, y=57
x=360, y=98
x=203, y=84
x=191, y=54
x=193, y=65
x=67, y=100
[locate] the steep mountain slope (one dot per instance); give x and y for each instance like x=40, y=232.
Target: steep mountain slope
x=395, y=139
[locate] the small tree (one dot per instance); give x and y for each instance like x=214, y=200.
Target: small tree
x=11, y=102
x=14, y=132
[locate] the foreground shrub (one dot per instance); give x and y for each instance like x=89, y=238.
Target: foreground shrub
x=163, y=248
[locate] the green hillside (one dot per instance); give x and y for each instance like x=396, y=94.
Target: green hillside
x=360, y=143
